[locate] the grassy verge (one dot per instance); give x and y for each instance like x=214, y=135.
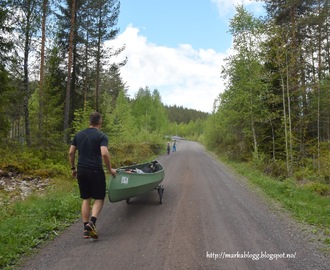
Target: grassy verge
x=25, y=225
x=305, y=205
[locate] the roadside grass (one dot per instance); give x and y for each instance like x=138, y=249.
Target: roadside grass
x=304, y=204
x=26, y=225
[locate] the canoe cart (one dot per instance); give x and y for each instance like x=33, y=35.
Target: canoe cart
x=135, y=180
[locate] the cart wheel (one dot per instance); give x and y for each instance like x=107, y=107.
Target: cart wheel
x=160, y=193
x=127, y=200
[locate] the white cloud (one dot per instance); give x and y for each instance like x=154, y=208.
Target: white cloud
x=184, y=76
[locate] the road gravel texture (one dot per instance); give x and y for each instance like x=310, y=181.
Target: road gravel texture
x=210, y=219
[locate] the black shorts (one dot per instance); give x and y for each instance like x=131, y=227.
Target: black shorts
x=92, y=183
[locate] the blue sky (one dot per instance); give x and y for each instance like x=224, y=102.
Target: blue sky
x=170, y=23
x=177, y=47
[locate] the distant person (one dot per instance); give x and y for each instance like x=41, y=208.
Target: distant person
x=168, y=148
x=92, y=146
x=174, y=146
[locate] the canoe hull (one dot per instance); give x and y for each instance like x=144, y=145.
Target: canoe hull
x=128, y=183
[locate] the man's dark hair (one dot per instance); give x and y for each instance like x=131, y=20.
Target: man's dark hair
x=95, y=119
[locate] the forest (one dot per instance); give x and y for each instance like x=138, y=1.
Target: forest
x=275, y=109
x=56, y=68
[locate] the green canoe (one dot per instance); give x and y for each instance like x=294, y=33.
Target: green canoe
x=135, y=180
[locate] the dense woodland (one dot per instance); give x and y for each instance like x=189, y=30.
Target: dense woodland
x=55, y=69
x=276, y=107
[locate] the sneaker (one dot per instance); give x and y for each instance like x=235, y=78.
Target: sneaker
x=86, y=234
x=90, y=227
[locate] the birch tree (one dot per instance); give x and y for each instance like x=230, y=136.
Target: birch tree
x=245, y=73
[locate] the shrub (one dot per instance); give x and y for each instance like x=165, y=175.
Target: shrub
x=276, y=169
x=318, y=187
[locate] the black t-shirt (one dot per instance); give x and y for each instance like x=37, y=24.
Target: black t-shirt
x=88, y=143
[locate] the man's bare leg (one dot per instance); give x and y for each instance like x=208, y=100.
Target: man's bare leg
x=97, y=207
x=85, y=210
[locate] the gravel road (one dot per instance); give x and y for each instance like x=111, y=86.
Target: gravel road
x=210, y=219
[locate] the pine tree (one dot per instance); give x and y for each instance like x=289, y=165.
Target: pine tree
x=103, y=28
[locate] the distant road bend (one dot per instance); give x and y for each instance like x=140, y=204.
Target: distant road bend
x=209, y=220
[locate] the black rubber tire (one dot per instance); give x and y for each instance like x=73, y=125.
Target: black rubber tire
x=160, y=193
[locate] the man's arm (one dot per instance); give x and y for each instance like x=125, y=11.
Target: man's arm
x=72, y=157
x=106, y=158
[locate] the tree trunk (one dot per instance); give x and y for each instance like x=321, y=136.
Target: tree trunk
x=285, y=126
x=42, y=67
x=85, y=79
x=98, y=59
x=26, y=78
x=255, y=142
x=68, y=85
x=289, y=118
x=273, y=140
x=319, y=90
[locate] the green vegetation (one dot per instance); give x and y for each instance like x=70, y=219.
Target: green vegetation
x=183, y=115
x=273, y=115
x=27, y=225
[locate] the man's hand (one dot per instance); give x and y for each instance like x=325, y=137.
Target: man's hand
x=74, y=173
x=113, y=172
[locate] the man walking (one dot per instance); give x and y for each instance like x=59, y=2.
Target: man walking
x=92, y=146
